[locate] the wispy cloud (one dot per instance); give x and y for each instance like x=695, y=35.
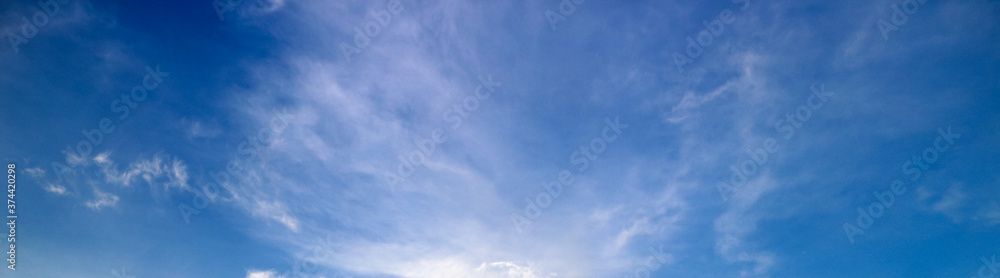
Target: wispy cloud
x=263, y=274
x=102, y=199
x=508, y=270
x=172, y=173
x=317, y=192
x=35, y=172
x=55, y=188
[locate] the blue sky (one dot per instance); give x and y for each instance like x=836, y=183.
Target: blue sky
x=508, y=139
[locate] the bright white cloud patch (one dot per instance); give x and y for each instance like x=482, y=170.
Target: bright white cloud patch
x=55, y=188
x=263, y=274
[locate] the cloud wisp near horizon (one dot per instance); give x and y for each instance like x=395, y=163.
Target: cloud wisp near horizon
x=520, y=139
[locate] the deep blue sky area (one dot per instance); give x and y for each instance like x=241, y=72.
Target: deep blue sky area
x=511, y=139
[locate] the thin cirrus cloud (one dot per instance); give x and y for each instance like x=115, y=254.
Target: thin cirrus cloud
x=326, y=190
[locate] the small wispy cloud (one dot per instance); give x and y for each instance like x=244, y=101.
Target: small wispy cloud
x=35, y=172
x=75, y=160
x=55, y=188
x=150, y=170
x=197, y=129
x=990, y=215
x=102, y=199
x=102, y=158
x=951, y=203
x=276, y=211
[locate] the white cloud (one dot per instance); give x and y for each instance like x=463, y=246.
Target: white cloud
x=347, y=129
x=153, y=171
x=989, y=214
x=55, y=188
x=102, y=158
x=951, y=203
x=738, y=222
x=508, y=270
x=276, y=211
x=762, y=263
x=35, y=172
x=268, y=6
x=197, y=129
x=75, y=160
x=263, y=274
x=102, y=199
